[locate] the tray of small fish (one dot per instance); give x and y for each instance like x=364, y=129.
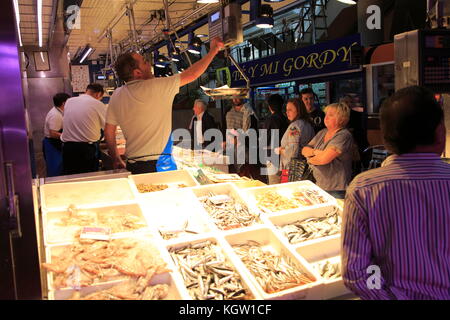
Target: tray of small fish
x=324, y=257
x=160, y=181
x=88, y=262
x=65, y=226
x=159, y=287
x=277, y=271
x=312, y=225
x=208, y=273
x=226, y=208
x=288, y=197
x=176, y=214
x=58, y=196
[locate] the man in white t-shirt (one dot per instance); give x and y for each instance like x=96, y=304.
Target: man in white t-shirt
x=143, y=109
x=51, y=145
x=84, y=119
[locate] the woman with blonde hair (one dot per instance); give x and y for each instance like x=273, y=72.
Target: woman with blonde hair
x=297, y=135
x=329, y=153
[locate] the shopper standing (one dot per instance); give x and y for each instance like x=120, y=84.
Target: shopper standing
x=396, y=235
x=276, y=121
x=316, y=115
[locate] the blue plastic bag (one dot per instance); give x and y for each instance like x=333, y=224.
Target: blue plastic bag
x=166, y=162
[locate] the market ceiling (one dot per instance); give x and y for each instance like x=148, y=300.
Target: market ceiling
x=97, y=16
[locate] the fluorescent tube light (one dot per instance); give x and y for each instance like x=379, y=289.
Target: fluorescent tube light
x=39, y=16
x=16, y=9
x=86, y=54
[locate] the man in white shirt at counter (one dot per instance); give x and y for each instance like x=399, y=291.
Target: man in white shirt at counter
x=143, y=109
x=84, y=118
x=52, y=144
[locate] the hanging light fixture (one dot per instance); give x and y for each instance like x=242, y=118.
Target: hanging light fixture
x=195, y=45
x=265, y=18
x=347, y=1
x=161, y=62
x=175, y=54
x=207, y=1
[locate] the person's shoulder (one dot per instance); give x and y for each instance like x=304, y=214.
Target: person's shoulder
x=344, y=133
x=366, y=180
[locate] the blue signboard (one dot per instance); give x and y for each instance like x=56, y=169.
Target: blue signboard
x=317, y=60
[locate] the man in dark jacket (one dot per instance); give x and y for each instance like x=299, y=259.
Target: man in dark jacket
x=200, y=123
x=276, y=121
x=316, y=114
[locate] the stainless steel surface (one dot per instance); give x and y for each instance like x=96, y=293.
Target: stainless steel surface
x=13, y=201
x=22, y=261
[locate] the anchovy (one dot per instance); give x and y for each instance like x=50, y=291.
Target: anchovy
x=313, y=228
x=207, y=274
x=230, y=213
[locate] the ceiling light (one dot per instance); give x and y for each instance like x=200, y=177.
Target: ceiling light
x=265, y=18
x=175, y=54
x=347, y=1
x=195, y=45
x=273, y=0
x=39, y=16
x=86, y=54
x=161, y=61
x=16, y=10
x=207, y=1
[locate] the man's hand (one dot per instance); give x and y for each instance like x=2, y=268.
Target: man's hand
x=216, y=45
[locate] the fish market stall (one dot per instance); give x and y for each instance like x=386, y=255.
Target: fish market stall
x=164, y=236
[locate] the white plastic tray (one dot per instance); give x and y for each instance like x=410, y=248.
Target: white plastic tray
x=147, y=240
x=242, y=272
x=268, y=239
x=170, y=178
x=286, y=190
x=54, y=233
x=170, y=211
x=323, y=250
x=230, y=190
x=288, y=218
x=58, y=196
x=163, y=278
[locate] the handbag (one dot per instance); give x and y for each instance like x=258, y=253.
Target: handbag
x=299, y=169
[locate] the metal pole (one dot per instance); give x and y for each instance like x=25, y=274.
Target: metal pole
x=132, y=23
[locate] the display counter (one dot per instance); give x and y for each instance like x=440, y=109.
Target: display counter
x=165, y=236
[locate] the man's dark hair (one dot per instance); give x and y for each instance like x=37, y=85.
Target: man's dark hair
x=307, y=90
x=60, y=98
x=409, y=118
x=95, y=87
x=275, y=102
x=125, y=65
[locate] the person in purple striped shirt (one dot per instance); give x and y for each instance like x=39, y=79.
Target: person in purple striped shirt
x=396, y=221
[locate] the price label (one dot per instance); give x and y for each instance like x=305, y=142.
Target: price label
x=96, y=233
